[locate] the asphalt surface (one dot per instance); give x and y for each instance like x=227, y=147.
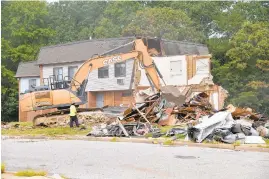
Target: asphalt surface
x=114, y=160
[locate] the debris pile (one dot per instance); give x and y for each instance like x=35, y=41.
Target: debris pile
x=156, y=109
x=63, y=120
x=92, y=117
x=118, y=129
x=230, y=125
x=202, y=122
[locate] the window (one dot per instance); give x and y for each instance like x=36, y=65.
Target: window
x=120, y=81
x=58, y=73
x=120, y=69
x=103, y=72
x=32, y=83
x=202, y=66
x=176, y=67
x=71, y=71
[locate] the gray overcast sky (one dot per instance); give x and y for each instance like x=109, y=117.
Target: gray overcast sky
x=52, y=0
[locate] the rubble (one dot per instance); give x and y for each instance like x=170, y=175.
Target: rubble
x=208, y=124
x=118, y=129
x=203, y=122
x=157, y=109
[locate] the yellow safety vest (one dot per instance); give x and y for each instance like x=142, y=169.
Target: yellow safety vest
x=73, y=110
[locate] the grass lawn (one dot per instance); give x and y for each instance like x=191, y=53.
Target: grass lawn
x=30, y=173
x=23, y=130
x=3, y=168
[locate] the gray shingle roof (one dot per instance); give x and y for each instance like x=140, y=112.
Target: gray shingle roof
x=28, y=69
x=79, y=51
x=183, y=48
x=83, y=50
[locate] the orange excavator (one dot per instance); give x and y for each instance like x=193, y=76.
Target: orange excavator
x=61, y=99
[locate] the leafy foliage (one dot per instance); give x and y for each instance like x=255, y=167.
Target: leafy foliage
x=246, y=73
x=116, y=17
x=74, y=20
x=165, y=22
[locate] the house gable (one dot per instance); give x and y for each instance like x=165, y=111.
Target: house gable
x=27, y=69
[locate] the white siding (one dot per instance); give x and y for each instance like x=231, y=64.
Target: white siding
x=110, y=84
x=173, y=69
x=48, y=69
x=24, y=83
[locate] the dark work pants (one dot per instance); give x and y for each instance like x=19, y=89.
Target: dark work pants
x=73, y=119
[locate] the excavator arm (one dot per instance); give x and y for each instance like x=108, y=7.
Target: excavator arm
x=140, y=53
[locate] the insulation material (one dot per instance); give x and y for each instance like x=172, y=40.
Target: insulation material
x=207, y=125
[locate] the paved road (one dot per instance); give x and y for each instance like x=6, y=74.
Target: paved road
x=113, y=160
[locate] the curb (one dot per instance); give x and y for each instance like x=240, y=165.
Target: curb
x=242, y=147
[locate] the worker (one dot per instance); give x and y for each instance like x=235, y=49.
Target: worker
x=73, y=115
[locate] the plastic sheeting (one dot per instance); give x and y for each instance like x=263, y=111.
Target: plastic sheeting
x=254, y=140
x=219, y=120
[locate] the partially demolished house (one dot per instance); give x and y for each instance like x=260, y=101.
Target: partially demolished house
x=183, y=64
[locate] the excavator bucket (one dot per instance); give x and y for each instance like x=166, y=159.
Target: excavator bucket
x=172, y=94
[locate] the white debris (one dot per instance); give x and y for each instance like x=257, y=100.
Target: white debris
x=254, y=140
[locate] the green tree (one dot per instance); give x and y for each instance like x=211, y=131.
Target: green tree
x=116, y=17
x=24, y=25
x=203, y=14
x=24, y=31
x=246, y=74
x=166, y=22
x=74, y=20
x=232, y=19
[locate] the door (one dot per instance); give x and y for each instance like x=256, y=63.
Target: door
x=99, y=100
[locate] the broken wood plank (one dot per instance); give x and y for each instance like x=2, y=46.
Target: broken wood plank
x=122, y=128
x=140, y=113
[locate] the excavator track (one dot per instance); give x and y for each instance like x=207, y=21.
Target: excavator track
x=59, y=117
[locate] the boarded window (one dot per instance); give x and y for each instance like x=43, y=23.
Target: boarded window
x=58, y=73
x=32, y=83
x=71, y=71
x=120, y=69
x=202, y=66
x=176, y=67
x=103, y=72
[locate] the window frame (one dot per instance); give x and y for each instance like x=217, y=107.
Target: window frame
x=30, y=84
x=115, y=74
x=56, y=76
x=101, y=72
x=71, y=67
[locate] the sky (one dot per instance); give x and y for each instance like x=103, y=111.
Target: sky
x=52, y=1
